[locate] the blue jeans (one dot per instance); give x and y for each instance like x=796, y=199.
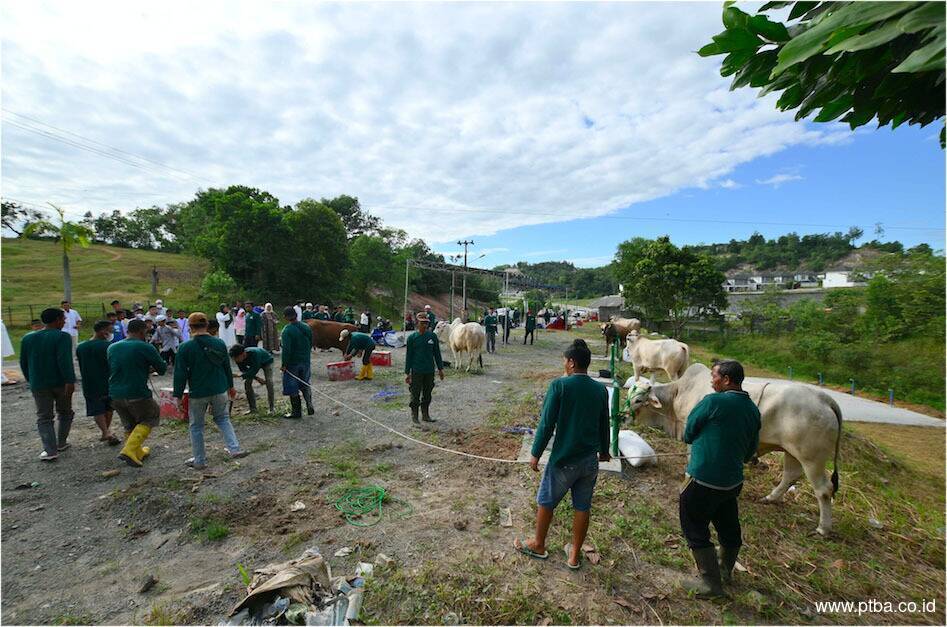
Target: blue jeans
x=219, y=404
x=580, y=477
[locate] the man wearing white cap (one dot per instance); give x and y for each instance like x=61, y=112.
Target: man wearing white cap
x=431, y=318
x=162, y=310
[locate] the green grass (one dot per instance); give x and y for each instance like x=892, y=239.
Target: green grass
x=209, y=528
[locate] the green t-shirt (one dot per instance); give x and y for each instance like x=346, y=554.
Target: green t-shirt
x=254, y=326
x=530, y=322
x=203, y=365
x=46, y=359
x=321, y=315
x=359, y=342
x=296, y=343
x=338, y=317
x=129, y=362
x=256, y=359
x=576, y=410
x=94, y=367
x=723, y=430
x=309, y=315
x=490, y=323
x=423, y=353
x=349, y=316
x=431, y=320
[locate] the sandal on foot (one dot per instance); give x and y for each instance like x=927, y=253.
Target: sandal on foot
x=568, y=549
x=522, y=547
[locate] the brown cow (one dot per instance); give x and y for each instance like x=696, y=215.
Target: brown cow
x=618, y=329
x=325, y=333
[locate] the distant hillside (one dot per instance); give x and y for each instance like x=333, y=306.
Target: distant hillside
x=32, y=275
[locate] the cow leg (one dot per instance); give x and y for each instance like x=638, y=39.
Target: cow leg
x=792, y=470
x=634, y=368
x=822, y=486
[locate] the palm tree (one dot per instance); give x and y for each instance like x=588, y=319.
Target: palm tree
x=69, y=234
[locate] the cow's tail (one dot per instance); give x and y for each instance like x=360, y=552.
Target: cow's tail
x=838, y=441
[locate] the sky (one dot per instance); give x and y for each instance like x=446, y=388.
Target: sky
x=540, y=131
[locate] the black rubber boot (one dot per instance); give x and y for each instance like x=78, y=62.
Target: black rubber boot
x=297, y=412
x=728, y=559
x=425, y=415
x=709, y=585
x=414, y=416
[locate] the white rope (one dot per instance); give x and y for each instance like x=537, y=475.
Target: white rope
x=441, y=448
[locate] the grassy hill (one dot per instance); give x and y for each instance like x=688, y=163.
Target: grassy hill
x=32, y=275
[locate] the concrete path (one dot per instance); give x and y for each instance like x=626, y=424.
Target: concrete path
x=856, y=409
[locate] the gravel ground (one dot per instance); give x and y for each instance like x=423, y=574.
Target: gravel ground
x=77, y=546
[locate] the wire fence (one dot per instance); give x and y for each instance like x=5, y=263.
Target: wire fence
x=19, y=316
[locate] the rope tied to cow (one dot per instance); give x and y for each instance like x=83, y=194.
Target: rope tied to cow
x=366, y=417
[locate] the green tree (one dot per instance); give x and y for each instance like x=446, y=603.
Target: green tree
x=17, y=217
x=372, y=263
x=315, y=259
x=857, y=61
x=218, y=286
x=665, y=281
x=357, y=221
x=68, y=234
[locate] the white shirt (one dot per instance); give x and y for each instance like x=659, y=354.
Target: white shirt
x=227, y=333
x=364, y=319
x=299, y=312
x=72, y=321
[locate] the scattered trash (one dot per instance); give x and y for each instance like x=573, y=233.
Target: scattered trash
x=111, y=473
x=297, y=506
x=37, y=508
x=518, y=429
x=740, y=568
x=386, y=394
x=345, y=551
x=461, y=525
x=791, y=489
x=383, y=561
x=499, y=382
x=877, y=524
x=147, y=583
x=451, y=618
x=634, y=446
x=296, y=614
x=27, y=486
x=364, y=569
x=506, y=517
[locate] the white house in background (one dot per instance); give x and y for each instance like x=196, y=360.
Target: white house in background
x=844, y=278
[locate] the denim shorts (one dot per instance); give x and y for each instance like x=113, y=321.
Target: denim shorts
x=579, y=477
x=291, y=386
x=97, y=406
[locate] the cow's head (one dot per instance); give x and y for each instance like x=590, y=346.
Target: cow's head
x=442, y=330
x=632, y=337
x=653, y=405
x=607, y=329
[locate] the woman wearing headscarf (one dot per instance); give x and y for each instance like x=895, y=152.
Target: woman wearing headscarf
x=270, y=332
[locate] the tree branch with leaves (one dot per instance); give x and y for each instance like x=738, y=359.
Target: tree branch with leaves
x=68, y=234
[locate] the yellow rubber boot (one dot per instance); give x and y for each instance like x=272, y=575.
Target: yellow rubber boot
x=361, y=374
x=369, y=372
x=131, y=452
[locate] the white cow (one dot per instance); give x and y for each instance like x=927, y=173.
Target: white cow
x=647, y=355
x=798, y=419
x=464, y=339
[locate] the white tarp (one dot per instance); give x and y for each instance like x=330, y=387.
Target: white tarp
x=633, y=445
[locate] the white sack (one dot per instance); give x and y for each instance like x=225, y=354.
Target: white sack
x=633, y=445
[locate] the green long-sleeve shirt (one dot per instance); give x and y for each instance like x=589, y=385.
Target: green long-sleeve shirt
x=296, y=342
x=46, y=359
x=309, y=315
x=723, y=430
x=490, y=323
x=254, y=326
x=129, y=361
x=94, y=367
x=576, y=411
x=203, y=366
x=423, y=353
x=256, y=359
x=359, y=342
x=530, y=322
x=321, y=315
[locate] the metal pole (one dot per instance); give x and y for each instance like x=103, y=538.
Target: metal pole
x=891, y=397
x=451, y=316
x=405, y=317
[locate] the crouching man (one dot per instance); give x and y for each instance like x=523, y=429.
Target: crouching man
x=251, y=361
x=724, y=433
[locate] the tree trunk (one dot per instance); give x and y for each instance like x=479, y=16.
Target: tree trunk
x=66, y=278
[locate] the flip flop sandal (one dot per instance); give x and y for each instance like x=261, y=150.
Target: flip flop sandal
x=568, y=549
x=113, y=441
x=521, y=546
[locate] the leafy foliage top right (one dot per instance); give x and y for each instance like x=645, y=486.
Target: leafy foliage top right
x=857, y=61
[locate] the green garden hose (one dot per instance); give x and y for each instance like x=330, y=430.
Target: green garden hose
x=359, y=502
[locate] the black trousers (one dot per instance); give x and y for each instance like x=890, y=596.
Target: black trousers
x=506, y=334
x=491, y=341
x=699, y=506
x=422, y=385
x=251, y=340
x=530, y=333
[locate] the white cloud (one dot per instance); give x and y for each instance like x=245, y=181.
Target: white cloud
x=779, y=179
x=544, y=253
x=447, y=120
x=729, y=184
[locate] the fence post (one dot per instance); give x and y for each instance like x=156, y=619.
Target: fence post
x=852, y=381
x=790, y=373
x=32, y=317
x=821, y=380
x=891, y=397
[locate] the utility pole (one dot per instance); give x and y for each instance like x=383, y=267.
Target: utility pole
x=465, y=243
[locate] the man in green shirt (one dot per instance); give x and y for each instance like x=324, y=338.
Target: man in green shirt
x=251, y=361
x=203, y=367
x=130, y=365
x=576, y=410
x=431, y=317
x=530, y=328
x=337, y=315
x=254, y=326
x=322, y=314
x=94, y=369
x=46, y=362
x=359, y=343
x=723, y=430
x=349, y=316
x=490, y=325
x=422, y=356
x=296, y=341
x=309, y=313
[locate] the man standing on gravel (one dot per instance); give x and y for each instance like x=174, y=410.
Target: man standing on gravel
x=94, y=368
x=422, y=356
x=254, y=327
x=530, y=328
x=46, y=362
x=73, y=322
x=490, y=325
x=576, y=410
x=296, y=341
x=203, y=366
x=130, y=365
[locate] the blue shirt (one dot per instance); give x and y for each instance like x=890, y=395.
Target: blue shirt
x=118, y=331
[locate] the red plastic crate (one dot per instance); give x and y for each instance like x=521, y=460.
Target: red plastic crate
x=381, y=358
x=168, y=404
x=340, y=371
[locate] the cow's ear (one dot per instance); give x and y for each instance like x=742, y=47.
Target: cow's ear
x=654, y=401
